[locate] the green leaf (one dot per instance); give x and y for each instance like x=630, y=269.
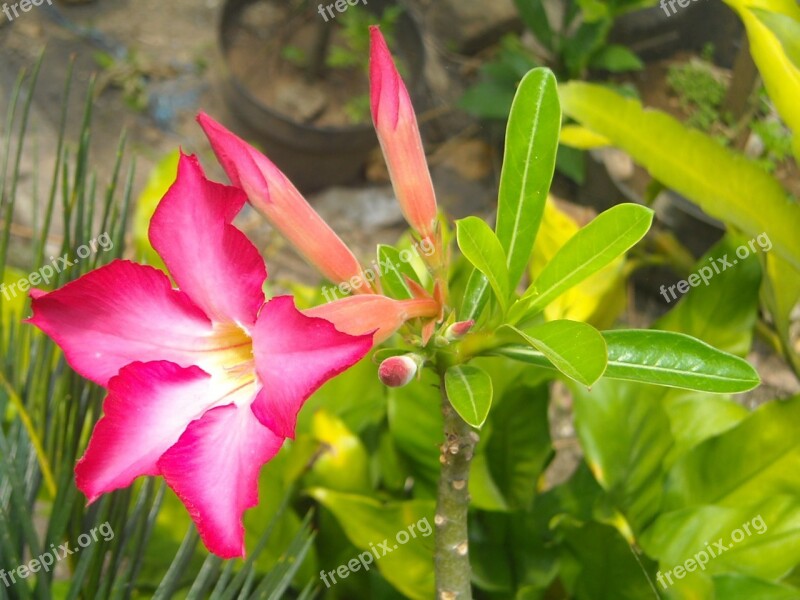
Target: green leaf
x=617, y=59
x=608, y=236
x=781, y=291
x=535, y=18
x=470, y=392
x=779, y=72
x=519, y=446
x=625, y=435
x=415, y=428
x=720, y=181
x=786, y=29
x=765, y=450
x=741, y=587
x=392, y=270
x=576, y=349
x=599, y=563
x=340, y=461
x=676, y=360
x=707, y=313
x=581, y=138
x=528, y=164
x=699, y=416
x=661, y=358
x=759, y=539
x=480, y=246
x=368, y=523
x=475, y=296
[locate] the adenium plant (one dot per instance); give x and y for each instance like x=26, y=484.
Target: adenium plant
x=206, y=376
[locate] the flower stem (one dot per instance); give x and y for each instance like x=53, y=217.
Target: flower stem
x=453, y=572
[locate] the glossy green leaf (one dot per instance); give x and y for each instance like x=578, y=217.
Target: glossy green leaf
x=576, y=349
x=720, y=181
x=636, y=359
x=676, y=360
x=765, y=450
x=528, y=164
x=475, y=296
x=393, y=271
x=608, y=236
x=368, y=522
x=470, y=392
x=480, y=246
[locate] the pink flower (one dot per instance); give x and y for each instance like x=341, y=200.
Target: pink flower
x=270, y=192
x=396, y=125
x=205, y=381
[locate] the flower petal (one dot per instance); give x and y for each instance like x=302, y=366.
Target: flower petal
x=214, y=470
x=378, y=315
x=148, y=407
x=119, y=314
x=396, y=125
x=210, y=260
x=295, y=354
x=276, y=198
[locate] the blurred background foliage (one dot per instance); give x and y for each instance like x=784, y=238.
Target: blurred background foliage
x=576, y=493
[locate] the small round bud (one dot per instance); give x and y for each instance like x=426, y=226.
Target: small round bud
x=397, y=371
x=458, y=330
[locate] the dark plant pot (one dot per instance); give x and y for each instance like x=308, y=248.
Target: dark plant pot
x=654, y=34
x=312, y=157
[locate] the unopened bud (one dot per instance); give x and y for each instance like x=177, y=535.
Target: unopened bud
x=397, y=371
x=458, y=330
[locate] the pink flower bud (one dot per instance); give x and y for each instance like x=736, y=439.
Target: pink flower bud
x=397, y=371
x=458, y=330
x=400, y=140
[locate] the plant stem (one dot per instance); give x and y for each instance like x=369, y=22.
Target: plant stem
x=453, y=573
